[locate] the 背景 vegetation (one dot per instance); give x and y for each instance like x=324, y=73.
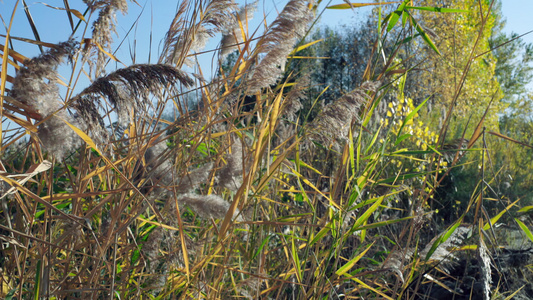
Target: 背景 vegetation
x=391, y=160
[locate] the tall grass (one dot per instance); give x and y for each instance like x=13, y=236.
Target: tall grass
x=103, y=197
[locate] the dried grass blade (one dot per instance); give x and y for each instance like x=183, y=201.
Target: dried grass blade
x=100, y=170
x=3, y=74
x=38, y=199
x=75, y=12
x=30, y=41
x=16, y=56
x=509, y=139
x=310, y=184
x=91, y=143
x=274, y=167
x=300, y=48
x=32, y=24
x=32, y=171
x=356, y=5
x=158, y=224
x=25, y=124
x=371, y=288
x=479, y=127
x=514, y=294
x=69, y=15
x=107, y=53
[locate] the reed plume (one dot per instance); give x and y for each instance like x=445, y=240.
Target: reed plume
x=185, y=37
x=208, y=206
x=290, y=25
x=230, y=176
x=126, y=90
x=233, y=34
x=36, y=86
x=103, y=29
x=332, y=125
x=441, y=254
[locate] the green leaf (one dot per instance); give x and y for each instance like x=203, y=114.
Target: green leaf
x=261, y=247
x=382, y=223
x=401, y=177
x=364, y=217
x=401, y=138
x=437, y=9
x=351, y=151
x=342, y=270
x=320, y=235
x=395, y=16
x=135, y=256
x=424, y=34
x=495, y=219
x=9, y=295
x=526, y=208
x=303, y=164
x=524, y=229
x=296, y=259
x=37, y=287
x=374, y=139
x=443, y=238
x=409, y=152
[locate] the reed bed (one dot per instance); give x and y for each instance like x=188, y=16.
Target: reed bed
x=105, y=196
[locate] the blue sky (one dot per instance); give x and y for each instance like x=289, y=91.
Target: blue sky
x=155, y=16
x=518, y=15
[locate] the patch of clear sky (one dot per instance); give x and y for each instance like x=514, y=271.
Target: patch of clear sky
x=142, y=29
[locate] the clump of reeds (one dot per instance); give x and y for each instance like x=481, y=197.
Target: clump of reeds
x=209, y=206
x=128, y=91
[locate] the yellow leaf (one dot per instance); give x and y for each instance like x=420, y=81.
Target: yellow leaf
x=342, y=270
x=107, y=53
x=73, y=11
x=304, y=46
x=355, y=5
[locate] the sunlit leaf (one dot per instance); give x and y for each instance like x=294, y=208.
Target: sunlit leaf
x=356, y=5
x=437, y=9
x=443, y=238
x=300, y=48
x=423, y=34
x=342, y=270
x=395, y=16
x=495, y=219
x=73, y=11
x=525, y=229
